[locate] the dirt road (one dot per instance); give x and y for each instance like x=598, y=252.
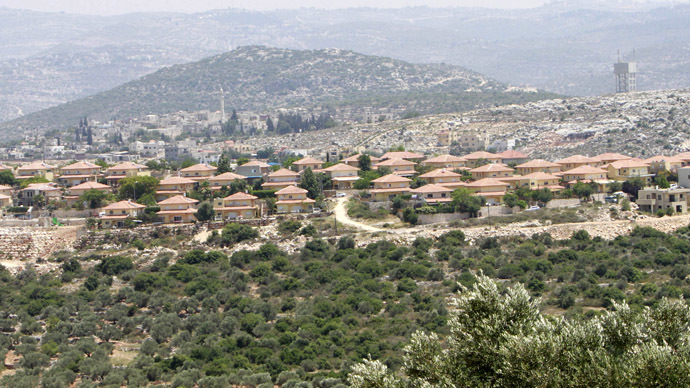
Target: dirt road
x=341, y=216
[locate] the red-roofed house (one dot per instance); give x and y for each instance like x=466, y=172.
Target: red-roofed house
x=342, y=175
x=115, y=214
x=433, y=194
x=446, y=161
x=398, y=166
x=623, y=170
x=115, y=174
x=198, y=172
x=293, y=199
x=476, y=159
x=513, y=156
x=305, y=163
x=79, y=172
x=493, y=170
x=281, y=179
x=490, y=188
x=389, y=186
x=238, y=205
x=537, y=165
x=177, y=209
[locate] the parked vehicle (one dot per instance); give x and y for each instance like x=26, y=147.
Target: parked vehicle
x=533, y=208
x=339, y=195
x=611, y=199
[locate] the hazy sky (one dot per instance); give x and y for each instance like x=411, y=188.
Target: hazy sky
x=109, y=7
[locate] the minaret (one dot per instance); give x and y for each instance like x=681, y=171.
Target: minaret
x=222, y=105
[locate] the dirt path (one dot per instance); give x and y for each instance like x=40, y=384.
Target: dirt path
x=341, y=216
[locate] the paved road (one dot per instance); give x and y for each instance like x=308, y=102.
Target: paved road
x=342, y=217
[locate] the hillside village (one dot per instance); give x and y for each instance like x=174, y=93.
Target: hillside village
x=404, y=183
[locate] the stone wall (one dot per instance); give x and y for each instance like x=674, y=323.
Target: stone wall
x=426, y=219
x=560, y=203
x=32, y=243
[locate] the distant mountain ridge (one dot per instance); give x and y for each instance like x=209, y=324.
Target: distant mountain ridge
x=563, y=47
x=260, y=78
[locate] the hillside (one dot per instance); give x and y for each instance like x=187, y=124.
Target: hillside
x=260, y=78
x=642, y=124
x=568, y=48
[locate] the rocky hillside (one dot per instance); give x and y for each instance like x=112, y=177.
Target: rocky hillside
x=260, y=78
x=641, y=124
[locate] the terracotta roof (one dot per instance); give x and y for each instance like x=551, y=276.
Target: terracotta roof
x=440, y=173
x=391, y=178
x=282, y=173
x=4, y=187
x=431, y=189
x=390, y=190
x=577, y=159
x=307, y=161
x=355, y=158
x=445, y=159
x=395, y=162
x=585, y=170
x=512, y=178
x=227, y=176
x=255, y=163
x=341, y=167
x=538, y=163
x=176, y=180
x=401, y=155
x=41, y=187
x=481, y=155
x=662, y=158
x=291, y=190
x=90, y=186
x=239, y=196
x=4, y=167
x=199, y=167
x=3, y=196
x=492, y=167
x=124, y=205
x=512, y=154
x=540, y=175
x=178, y=199
x=83, y=165
x=178, y=211
x=486, y=182
x=35, y=166
x=628, y=164
x=126, y=166
x=610, y=156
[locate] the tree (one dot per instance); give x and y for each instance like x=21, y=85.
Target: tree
x=364, y=161
x=661, y=181
x=39, y=201
x=94, y=198
x=500, y=339
x=633, y=186
x=241, y=161
x=223, y=164
x=89, y=136
x=465, y=201
x=205, y=212
x=6, y=178
x=543, y=195
x=137, y=187
x=310, y=183
x=511, y=199
x=583, y=190
x=269, y=125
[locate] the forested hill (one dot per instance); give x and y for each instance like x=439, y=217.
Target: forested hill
x=260, y=78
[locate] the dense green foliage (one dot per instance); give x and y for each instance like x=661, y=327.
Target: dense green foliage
x=501, y=340
x=266, y=316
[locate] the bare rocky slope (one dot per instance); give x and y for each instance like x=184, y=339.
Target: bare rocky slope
x=642, y=124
